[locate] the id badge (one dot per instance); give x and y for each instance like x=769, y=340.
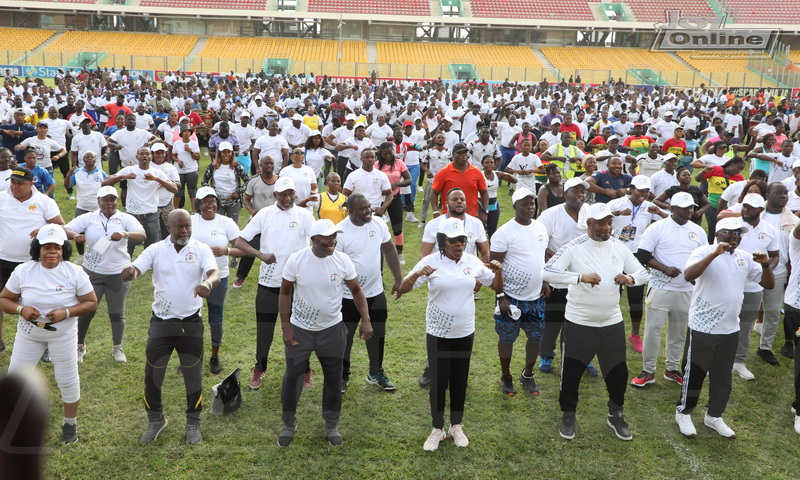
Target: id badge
x=628, y=233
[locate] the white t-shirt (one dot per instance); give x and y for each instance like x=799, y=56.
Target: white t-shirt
x=671, y=244
x=283, y=232
x=630, y=228
x=379, y=134
x=57, y=130
x=451, y=306
x=507, y=132
x=661, y=181
x=164, y=195
x=371, y=184
x=217, y=232
x=88, y=183
x=48, y=289
x=19, y=219
x=131, y=141
x=474, y=229
x=436, y=160
x=175, y=276
x=761, y=238
x=225, y=182
x=522, y=162
x=246, y=135
x=268, y=145
x=145, y=122
x=649, y=166
x=44, y=148
x=94, y=225
x=792, y=294
x=318, y=289
x=524, y=246
x=304, y=177
x=774, y=219
x=734, y=191
x=355, y=154
x=142, y=194
x=189, y=164
x=779, y=173
x=715, y=310
x=363, y=246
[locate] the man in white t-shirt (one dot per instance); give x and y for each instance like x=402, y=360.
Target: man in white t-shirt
x=87, y=140
x=520, y=245
x=792, y=317
x=370, y=182
x=184, y=273
x=714, y=321
x=164, y=196
x=128, y=141
x=311, y=295
x=477, y=244
x=366, y=241
x=274, y=145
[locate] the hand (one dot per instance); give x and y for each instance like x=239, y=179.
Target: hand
x=494, y=266
x=267, y=258
x=396, y=291
x=149, y=176
x=379, y=212
x=365, y=330
x=219, y=251
x=289, y=339
x=624, y=213
x=187, y=148
x=128, y=176
x=653, y=209
x=622, y=192
x=115, y=237
x=591, y=278
x=202, y=290
x=672, y=272
x=130, y=273
x=722, y=247
x=57, y=315
x=761, y=258
x=709, y=168
x=505, y=306
x=80, y=238
x=426, y=271
x=546, y=290
x=622, y=279
x=30, y=314
x=235, y=195
x=483, y=217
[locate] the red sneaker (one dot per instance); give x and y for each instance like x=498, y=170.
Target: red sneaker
x=636, y=341
x=673, y=376
x=257, y=379
x=308, y=380
x=238, y=283
x=643, y=379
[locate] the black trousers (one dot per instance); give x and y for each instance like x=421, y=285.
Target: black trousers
x=375, y=345
x=449, y=367
x=186, y=337
x=266, y=317
x=553, y=320
x=246, y=262
x=792, y=318
x=579, y=344
x=713, y=355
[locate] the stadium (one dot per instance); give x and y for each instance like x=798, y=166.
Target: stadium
x=746, y=46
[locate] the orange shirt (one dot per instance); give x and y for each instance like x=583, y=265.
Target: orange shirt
x=471, y=181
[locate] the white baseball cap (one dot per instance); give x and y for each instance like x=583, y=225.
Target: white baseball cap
x=158, y=147
x=283, y=184
x=598, y=211
x=521, y=193
x=668, y=113
x=452, y=228
x=225, y=146
x=574, y=182
x=669, y=156
x=754, y=200
x=204, y=192
x=106, y=191
x=682, y=200
x=555, y=120
x=324, y=227
x=297, y=117
x=731, y=223
x=796, y=164
x=51, y=233
x=244, y=114
x=350, y=116
x=641, y=182
x=612, y=137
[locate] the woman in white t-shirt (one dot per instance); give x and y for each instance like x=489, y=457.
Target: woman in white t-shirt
x=492, y=183
x=48, y=293
x=450, y=322
x=106, y=232
x=229, y=180
x=316, y=154
x=186, y=154
x=305, y=180
x=218, y=232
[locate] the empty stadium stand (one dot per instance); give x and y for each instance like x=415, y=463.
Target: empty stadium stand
x=21, y=41
x=726, y=67
x=226, y=4
x=763, y=11
x=653, y=10
x=544, y=9
x=380, y=7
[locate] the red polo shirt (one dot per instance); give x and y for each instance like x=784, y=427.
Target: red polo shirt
x=470, y=181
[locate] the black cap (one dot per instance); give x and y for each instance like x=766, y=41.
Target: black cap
x=459, y=147
x=21, y=173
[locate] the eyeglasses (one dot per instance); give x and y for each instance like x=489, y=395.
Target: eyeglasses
x=732, y=233
x=297, y=153
x=209, y=203
x=453, y=241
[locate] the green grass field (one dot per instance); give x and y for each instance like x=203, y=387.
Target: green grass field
x=509, y=436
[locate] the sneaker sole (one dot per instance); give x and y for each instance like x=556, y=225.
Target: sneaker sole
x=642, y=385
x=717, y=432
x=510, y=394
x=670, y=379
x=375, y=382
x=69, y=443
x=627, y=439
x=565, y=436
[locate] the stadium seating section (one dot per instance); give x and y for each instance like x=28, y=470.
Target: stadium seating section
x=653, y=10
x=222, y=53
x=21, y=40
x=379, y=7
x=444, y=53
x=543, y=9
x=226, y=4
x=134, y=50
x=763, y=11
x=726, y=67
x=69, y=1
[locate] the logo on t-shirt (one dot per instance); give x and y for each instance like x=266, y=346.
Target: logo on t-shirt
x=215, y=232
x=335, y=278
x=741, y=263
x=762, y=237
x=116, y=221
x=32, y=209
x=292, y=225
x=468, y=272
x=376, y=181
x=541, y=238
x=190, y=257
x=692, y=236
x=614, y=260
x=372, y=233
x=59, y=288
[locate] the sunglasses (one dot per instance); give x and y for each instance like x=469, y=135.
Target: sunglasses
x=453, y=241
x=733, y=233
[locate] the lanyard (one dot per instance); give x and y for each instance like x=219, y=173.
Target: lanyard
x=635, y=211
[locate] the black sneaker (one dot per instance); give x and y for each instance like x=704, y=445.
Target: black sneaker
x=46, y=356
x=286, y=436
x=788, y=350
x=334, y=437
x=425, y=378
x=381, y=380
x=767, y=356
x=529, y=383
x=69, y=433
x=617, y=423
x=345, y=384
x=214, y=365
x=507, y=385
x=567, y=428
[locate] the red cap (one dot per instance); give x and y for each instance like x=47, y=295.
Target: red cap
x=408, y=123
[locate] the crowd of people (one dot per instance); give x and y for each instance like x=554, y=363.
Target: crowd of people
x=610, y=187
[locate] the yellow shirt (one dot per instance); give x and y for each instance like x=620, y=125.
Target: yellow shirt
x=333, y=210
x=311, y=122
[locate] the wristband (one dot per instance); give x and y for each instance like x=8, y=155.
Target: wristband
x=68, y=315
x=229, y=250
x=500, y=295
x=19, y=309
x=210, y=285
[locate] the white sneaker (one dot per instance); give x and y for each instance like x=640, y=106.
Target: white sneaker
x=402, y=260
x=718, y=425
x=459, y=439
x=411, y=218
x=432, y=443
x=81, y=352
x=741, y=370
x=797, y=423
x=118, y=354
x=78, y=260
x=758, y=327
x=684, y=422
x=421, y=225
